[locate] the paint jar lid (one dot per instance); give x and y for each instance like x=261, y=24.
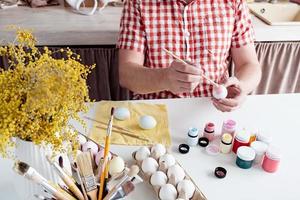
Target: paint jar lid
x=259, y=147
x=193, y=132
x=227, y=138
x=212, y=149
x=264, y=138
x=243, y=136
x=273, y=153
x=246, y=153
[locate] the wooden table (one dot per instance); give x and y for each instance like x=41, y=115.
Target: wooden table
x=277, y=115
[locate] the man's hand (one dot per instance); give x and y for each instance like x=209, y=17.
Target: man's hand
x=181, y=77
x=236, y=96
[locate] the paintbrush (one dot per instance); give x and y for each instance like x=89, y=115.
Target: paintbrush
x=30, y=173
x=100, y=122
x=66, y=178
x=128, y=134
x=80, y=181
x=37, y=196
x=134, y=170
x=84, y=163
x=123, y=191
x=106, y=150
x=183, y=61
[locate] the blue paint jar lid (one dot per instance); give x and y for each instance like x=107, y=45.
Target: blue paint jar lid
x=246, y=153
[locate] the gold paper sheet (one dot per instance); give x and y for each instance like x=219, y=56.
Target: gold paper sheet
x=159, y=134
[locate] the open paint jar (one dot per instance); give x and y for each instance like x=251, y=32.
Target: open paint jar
x=271, y=160
x=245, y=157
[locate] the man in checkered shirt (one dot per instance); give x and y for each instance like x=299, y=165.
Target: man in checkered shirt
x=207, y=34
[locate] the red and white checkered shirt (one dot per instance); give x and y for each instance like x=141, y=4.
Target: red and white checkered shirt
x=202, y=32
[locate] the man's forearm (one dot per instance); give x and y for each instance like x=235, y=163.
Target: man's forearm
x=249, y=75
x=141, y=79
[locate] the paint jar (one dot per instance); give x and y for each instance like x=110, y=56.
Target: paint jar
x=245, y=157
x=229, y=127
x=271, y=160
x=264, y=138
x=192, y=138
x=241, y=139
x=226, y=143
x=209, y=131
x=260, y=149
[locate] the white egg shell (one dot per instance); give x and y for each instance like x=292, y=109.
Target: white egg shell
x=220, y=92
x=168, y=192
x=100, y=155
x=168, y=159
x=90, y=145
x=158, y=149
x=121, y=113
x=81, y=139
x=187, y=186
x=116, y=165
x=147, y=122
x=142, y=153
x=158, y=178
x=149, y=165
x=177, y=171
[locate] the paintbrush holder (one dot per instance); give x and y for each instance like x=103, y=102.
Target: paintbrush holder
x=198, y=195
x=35, y=156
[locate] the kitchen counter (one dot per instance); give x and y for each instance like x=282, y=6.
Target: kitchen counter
x=60, y=26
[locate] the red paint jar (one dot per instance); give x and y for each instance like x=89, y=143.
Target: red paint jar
x=271, y=160
x=241, y=139
x=209, y=131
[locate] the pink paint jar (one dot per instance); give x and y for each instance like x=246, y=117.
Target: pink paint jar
x=209, y=131
x=271, y=160
x=241, y=139
x=229, y=127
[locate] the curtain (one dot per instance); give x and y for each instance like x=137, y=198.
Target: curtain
x=280, y=63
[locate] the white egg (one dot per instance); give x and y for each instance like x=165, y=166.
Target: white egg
x=100, y=155
x=81, y=139
x=220, y=92
x=168, y=192
x=149, y=165
x=168, y=159
x=158, y=149
x=177, y=172
x=187, y=186
x=116, y=165
x=121, y=113
x=158, y=178
x=147, y=122
x=90, y=145
x=142, y=153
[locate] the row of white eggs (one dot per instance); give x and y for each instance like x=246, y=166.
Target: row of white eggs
x=159, y=178
x=116, y=163
x=145, y=122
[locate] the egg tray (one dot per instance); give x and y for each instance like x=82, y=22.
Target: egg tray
x=198, y=195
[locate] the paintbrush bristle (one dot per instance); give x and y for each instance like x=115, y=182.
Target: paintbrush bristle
x=128, y=187
x=112, y=111
x=84, y=163
x=61, y=161
x=21, y=167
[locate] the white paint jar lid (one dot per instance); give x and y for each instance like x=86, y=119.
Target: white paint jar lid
x=259, y=147
x=264, y=138
x=273, y=153
x=246, y=153
x=243, y=136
